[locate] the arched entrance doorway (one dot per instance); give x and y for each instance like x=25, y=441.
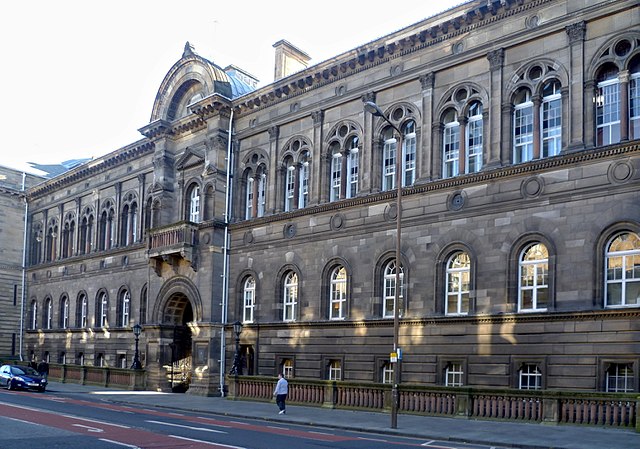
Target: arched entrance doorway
x=178, y=313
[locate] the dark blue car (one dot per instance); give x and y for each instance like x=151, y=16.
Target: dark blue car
x=23, y=377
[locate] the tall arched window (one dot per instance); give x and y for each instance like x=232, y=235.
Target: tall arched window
x=64, y=312
x=622, y=287
x=102, y=310
x=82, y=311
x=522, y=126
x=409, y=153
x=68, y=236
x=457, y=284
x=389, y=288
x=48, y=314
x=389, y=159
x=290, y=296
x=634, y=99
x=533, y=278
x=474, y=138
x=551, y=119
x=51, y=246
x=86, y=232
x=303, y=182
x=344, y=163
x=194, y=204
x=338, y=299
x=107, y=226
x=451, y=145
x=296, y=174
x=129, y=222
x=608, y=106
x=290, y=184
x=144, y=300
x=125, y=308
x=249, y=296
x=33, y=319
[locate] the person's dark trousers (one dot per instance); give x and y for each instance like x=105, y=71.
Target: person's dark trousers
x=280, y=398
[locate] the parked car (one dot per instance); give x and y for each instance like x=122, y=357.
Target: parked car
x=24, y=377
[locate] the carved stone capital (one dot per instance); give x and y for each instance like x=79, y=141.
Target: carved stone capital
x=576, y=32
x=427, y=80
x=496, y=58
x=274, y=131
x=369, y=96
x=318, y=117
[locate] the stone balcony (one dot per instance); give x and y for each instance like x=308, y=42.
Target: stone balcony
x=171, y=244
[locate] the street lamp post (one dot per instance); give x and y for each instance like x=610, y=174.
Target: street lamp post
x=137, y=330
x=375, y=110
x=237, y=363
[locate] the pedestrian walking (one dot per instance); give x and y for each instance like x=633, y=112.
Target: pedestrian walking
x=43, y=368
x=281, y=391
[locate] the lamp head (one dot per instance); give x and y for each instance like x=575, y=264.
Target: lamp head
x=237, y=328
x=373, y=109
x=137, y=330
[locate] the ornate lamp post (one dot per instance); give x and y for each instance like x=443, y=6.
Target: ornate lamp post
x=237, y=363
x=137, y=330
x=375, y=110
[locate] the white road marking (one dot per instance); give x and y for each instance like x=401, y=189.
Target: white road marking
x=96, y=421
x=204, y=429
x=428, y=443
x=206, y=442
x=119, y=443
x=89, y=429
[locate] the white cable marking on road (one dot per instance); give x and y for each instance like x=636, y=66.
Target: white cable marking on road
x=89, y=429
x=204, y=429
x=119, y=443
x=372, y=439
x=206, y=442
x=79, y=418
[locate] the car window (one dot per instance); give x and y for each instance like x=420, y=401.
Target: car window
x=30, y=371
x=16, y=370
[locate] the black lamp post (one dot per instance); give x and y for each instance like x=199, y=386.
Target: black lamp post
x=237, y=363
x=137, y=330
x=375, y=110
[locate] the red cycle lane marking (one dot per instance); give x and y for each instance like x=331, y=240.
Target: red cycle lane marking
x=203, y=420
x=107, y=431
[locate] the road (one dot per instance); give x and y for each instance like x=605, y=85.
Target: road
x=57, y=420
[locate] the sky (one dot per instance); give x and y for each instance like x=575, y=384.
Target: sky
x=79, y=78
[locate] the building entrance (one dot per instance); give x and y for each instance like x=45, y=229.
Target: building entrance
x=179, y=314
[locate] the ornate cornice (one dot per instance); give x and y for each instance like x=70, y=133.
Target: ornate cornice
x=431, y=32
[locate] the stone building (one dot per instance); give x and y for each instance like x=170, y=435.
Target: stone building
x=520, y=228
x=13, y=185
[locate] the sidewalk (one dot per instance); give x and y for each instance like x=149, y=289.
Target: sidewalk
x=496, y=433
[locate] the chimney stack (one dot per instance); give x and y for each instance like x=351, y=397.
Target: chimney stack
x=289, y=59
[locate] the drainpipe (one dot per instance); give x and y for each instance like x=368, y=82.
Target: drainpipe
x=24, y=267
x=225, y=262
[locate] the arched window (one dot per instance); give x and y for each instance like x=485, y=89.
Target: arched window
x=48, y=314
x=389, y=288
x=64, y=312
x=551, y=119
x=129, y=222
x=82, y=310
x=290, y=297
x=144, y=299
x=68, y=236
x=86, y=232
x=249, y=294
x=409, y=153
x=608, y=106
x=522, y=126
x=634, y=99
x=389, y=159
x=194, y=204
x=51, y=246
x=338, y=299
x=290, y=184
x=457, y=284
x=102, y=310
x=533, y=278
x=107, y=226
x=287, y=368
x=33, y=318
x=36, y=244
x=474, y=138
x=303, y=182
x=125, y=308
x=451, y=143
x=344, y=161
x=622, y=287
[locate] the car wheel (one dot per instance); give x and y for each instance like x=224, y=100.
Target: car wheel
x=10, y=385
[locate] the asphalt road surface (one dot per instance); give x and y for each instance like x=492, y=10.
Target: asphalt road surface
x=65, y=421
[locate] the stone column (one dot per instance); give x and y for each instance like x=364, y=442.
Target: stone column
x=579, y=97
x=142, y=205
x=76, y=249
x=462, y=153
x=273, y=205
x=496, y=131
x=366, y=174
x=537, y=132
x=624, y=105
x=319, y=183
x=425, y=153
x=118, y=217
x=343, y=173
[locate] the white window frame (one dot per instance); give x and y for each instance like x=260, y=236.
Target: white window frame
x=125, y=299
x=338, y=293
x=262, y=194
x=409, y=154
x=474, y=133
x=336, y=174
x=619, y=378
x=551, y=124
x=287, y=368
x=83, y=311
x=104, y=310
x=65, y=313
x=387, y=373
x=530, y=377
x=533, y=278
x=389, y=155
x=49, y=314
x=249, y=299
x=194, y=204
x=608, y=112
x=335, y=370
x=389, y=286
x=303, y=183
x=249, y=198
x=352, y=170
x=290, y=183
x=451, y=149
x=634, y=106
x=523, y=132
x=457, y=284
x=454, y=375
x=290, y=299
x=625, y=278
x=34, y=314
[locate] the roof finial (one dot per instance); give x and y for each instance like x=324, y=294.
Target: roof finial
x=189, y=50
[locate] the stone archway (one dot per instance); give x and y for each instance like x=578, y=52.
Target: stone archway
x=178, y=314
